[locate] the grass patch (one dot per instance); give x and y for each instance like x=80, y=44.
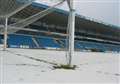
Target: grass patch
x=65, y=67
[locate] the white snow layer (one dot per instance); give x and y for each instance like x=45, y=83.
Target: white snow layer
x=36, y=66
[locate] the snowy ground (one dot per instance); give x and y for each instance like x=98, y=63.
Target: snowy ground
x=35, y=66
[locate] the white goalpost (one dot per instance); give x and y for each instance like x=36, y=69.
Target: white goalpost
x=33, y=18
x=70, y=31
x=71, y=27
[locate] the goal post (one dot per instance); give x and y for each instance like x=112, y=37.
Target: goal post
x=71, y=25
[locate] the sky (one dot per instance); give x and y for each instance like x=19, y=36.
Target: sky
x=107, y=11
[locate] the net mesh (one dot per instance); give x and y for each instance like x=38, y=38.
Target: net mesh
x=36, y=17
x=9, y=6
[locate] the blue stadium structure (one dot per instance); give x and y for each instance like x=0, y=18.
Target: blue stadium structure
x=50, y=32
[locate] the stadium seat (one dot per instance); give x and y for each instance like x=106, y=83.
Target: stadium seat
x=47, y=42
x=18, y=41
x=1, y=38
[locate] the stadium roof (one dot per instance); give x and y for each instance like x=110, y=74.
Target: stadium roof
x=57, y=22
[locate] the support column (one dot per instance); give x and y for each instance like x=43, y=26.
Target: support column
x=5, y=34
x=71, y=32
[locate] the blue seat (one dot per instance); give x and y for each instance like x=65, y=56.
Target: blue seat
x=44, y=42
x=47, y=42
x=19, y=40
x=1, y=38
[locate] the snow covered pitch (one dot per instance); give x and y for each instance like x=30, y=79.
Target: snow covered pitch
x=36, y=66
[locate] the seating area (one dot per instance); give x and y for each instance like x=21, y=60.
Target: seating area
x=45, y=42
x=97, y=46
x=1, y=38
x=19, y=41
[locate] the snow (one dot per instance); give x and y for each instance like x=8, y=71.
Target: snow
x=35, y=66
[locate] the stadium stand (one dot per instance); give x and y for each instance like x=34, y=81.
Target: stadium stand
x=50, y=31
x=21, y=41
x=18, y=41
x=1, y=38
